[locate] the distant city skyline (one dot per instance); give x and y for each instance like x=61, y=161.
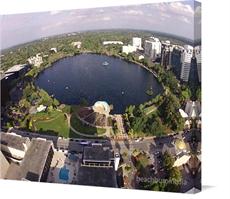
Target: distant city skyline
x=180, y=18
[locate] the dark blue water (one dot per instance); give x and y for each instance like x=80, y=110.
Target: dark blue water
x=84, y=77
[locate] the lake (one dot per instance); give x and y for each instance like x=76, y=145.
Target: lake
x=98, y=78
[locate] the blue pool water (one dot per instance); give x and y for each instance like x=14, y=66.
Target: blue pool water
x=64, y=174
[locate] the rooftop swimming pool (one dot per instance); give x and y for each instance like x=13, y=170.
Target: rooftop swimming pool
x=64, y=174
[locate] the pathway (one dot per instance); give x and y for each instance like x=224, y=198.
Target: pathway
x=82, y=134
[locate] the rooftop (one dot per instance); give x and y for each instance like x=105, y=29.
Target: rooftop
x=32, y=165
x=101, y=107
x=94, y=176
x=4, y=165
x=16, y=68
x=14, y=141
x=97, y=153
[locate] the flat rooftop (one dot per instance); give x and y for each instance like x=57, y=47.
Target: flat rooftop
x=97, y=153
x=14, y=141
x=32, y=165
x=95, y=176
x=4, y=165
x=16, y=68
x=2, y=76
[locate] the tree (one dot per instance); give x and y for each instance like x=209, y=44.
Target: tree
x=174, y=175
x=169, y=112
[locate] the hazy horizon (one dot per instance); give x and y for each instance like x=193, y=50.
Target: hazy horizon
x=181, y=19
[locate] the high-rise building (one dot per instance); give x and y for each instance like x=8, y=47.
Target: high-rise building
x=4, y=165
x=153, y=48
x=137, y=42
x=197, y=53
x=186, y=57
x=166, y=54
x=34, y=157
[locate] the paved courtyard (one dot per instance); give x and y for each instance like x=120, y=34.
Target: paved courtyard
x=63, y=168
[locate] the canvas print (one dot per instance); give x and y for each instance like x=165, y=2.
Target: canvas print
x=106, y=97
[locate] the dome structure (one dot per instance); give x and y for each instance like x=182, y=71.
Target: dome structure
x=101, y=107
x=96, y=115
x=180, y=144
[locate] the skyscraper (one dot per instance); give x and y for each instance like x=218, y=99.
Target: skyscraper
x=153, y=48
x=186, y=57
x=166, y=54
x=197, y=50
x=137, y=42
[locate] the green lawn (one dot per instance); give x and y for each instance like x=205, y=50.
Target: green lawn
x=150, y=109
x=55, y=123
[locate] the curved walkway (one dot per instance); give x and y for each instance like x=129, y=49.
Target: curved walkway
x=79, y=133
x=48, y=120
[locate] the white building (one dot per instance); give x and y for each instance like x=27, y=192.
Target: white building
x=181, y=160
x=153, y=48
x=112, y=42
x=101, y=107
x=137, y=42
x=54, y=50
x=36, y=60
x=41, y=108
x=197, y=52
x=76, y=44
x=141, y=57
x=186, y=57
x=128, y=49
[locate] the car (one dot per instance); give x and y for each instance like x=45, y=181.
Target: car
x=84, y=142
x=138, y=139
x=96, y=144
x=117, y=155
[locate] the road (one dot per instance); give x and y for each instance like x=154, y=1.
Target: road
x=72, y=143
x=150, y=145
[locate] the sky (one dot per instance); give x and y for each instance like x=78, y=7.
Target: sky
x=178, y=18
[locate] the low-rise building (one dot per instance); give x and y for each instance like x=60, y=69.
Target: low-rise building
x=53, y=50
x=35, y=60
x=112, y=42
x=128, y=49
x=76, y=44
x=181, y=160
x=41, y=108
x=141, y=57
x=97, y=156
x=98, y=167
